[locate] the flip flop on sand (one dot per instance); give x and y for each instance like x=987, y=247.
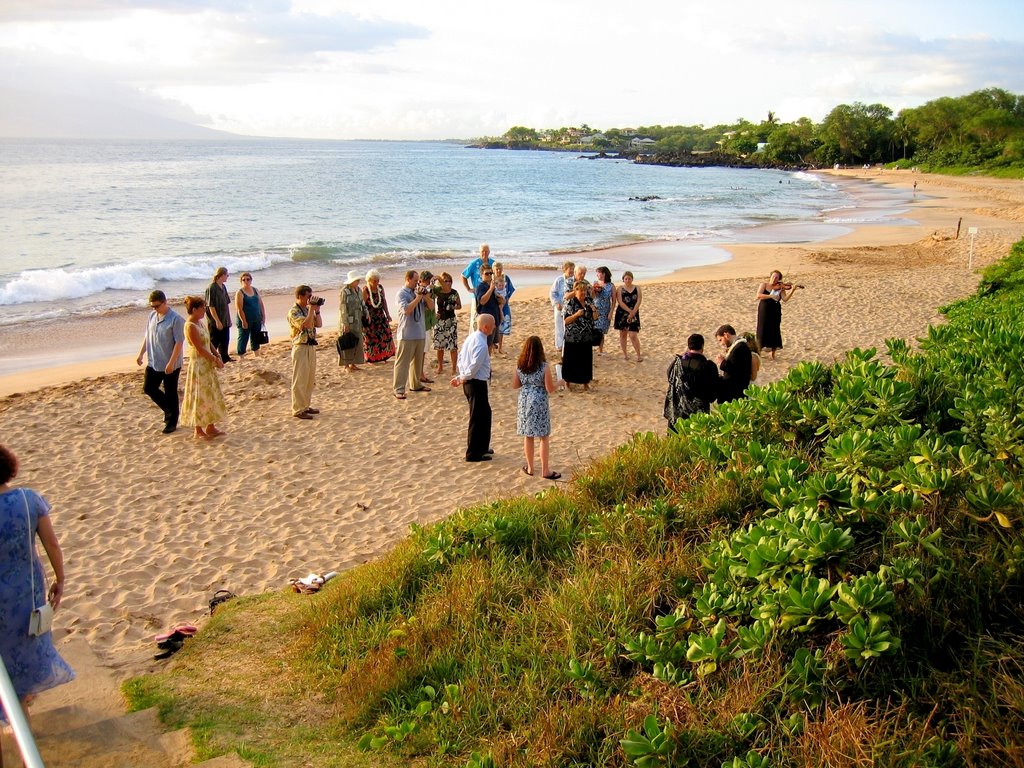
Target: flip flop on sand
x=185, y=630
x=220, y=596
x=526, y=471
x=552, y=475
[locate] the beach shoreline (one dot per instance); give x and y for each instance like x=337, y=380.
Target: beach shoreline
x=151, y=525
x=59, y=351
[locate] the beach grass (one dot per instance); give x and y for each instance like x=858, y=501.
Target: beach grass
x=829, y=572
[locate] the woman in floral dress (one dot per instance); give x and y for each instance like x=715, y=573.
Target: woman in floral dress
x=446, y=331
x=378, y=339
x=203, y=404
x=533, y=415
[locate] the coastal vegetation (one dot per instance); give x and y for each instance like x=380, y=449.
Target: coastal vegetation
x=982, y=130
x=829, y=572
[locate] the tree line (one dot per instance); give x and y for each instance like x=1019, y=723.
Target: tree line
x=982, y=129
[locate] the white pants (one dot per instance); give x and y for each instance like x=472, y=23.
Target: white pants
x=559, y=329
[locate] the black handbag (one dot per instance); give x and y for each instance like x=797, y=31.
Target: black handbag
x=261, y=336
x=347, y=341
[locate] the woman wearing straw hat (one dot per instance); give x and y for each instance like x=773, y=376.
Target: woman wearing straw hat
x=353, y=312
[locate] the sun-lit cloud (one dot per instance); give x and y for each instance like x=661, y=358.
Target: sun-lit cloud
x=447, y=68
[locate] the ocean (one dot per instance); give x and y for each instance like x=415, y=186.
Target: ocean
x=90, y=226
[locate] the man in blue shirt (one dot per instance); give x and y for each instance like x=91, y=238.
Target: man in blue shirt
x=413, y=299
x=474, y=371
x=473, y=274
x=165, y=336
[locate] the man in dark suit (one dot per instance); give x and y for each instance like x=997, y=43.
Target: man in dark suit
x=735, y=364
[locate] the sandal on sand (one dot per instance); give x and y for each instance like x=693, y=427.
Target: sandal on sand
x=400, y=395
x=182, y=630
x=220, y=596
x=553, y=476
x=526, y=471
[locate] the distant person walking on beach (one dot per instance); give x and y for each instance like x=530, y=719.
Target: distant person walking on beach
x=250, y=315
x=378, y=340
x=770, y=295
x=165, y=337
x=627, y=314
x=692, y=383
x=534, y=381
x=474, y=372
x=559, y=289
x=735, y=364
x=472, y=276
x=203, y=405
x=446, y=332
x=218, y=313
x=352, y=315
x=303, y=320
x=413, y=301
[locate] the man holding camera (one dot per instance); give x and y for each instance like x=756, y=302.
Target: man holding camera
x=413, y=299
x=303, y=320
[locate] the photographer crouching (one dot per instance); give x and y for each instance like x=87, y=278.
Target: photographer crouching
x=303, y=320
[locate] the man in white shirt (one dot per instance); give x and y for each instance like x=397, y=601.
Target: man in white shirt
x=559, y=289
x=474, y=371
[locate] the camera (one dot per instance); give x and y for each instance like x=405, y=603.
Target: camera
x=317, y=301
x=422, y=290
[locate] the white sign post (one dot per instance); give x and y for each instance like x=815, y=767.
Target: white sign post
x=972, y=231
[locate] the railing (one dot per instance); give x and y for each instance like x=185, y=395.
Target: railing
x=16, y=716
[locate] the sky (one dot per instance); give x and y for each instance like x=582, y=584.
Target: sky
x=437, y=69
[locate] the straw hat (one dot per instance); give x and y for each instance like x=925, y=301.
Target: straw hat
x=353, y=277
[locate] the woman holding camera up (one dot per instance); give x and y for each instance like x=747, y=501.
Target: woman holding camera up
x=31, y=660
x=770, y=295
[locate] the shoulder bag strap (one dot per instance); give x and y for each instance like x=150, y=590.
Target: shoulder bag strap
x=31, y=565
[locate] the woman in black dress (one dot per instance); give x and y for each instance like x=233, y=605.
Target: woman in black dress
x=770, y=295
x=578, y=352
x=627, y=314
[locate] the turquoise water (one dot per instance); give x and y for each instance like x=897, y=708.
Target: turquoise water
x=89, y=226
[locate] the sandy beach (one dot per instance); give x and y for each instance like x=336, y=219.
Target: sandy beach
x=152, y=525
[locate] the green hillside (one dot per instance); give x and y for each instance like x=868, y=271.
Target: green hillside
x=827, y=573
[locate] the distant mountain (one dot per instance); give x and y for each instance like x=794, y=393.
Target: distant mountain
x=24, y=114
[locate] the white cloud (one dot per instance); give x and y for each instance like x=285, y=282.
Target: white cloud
x=405, y=68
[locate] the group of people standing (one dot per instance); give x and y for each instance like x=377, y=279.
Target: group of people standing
x=584, y=313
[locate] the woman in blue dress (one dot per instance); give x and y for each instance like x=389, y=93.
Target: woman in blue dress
x=533, y=416
x=32, y=662
x=604, y=292
x=504, y=289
